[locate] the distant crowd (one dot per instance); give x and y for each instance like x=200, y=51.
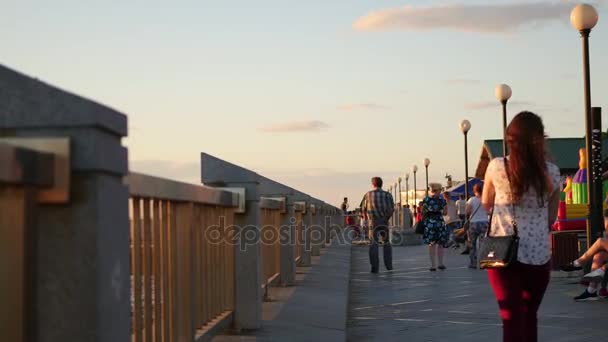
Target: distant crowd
x=462, y=221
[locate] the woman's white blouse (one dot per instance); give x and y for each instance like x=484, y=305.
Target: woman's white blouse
x=532, y=221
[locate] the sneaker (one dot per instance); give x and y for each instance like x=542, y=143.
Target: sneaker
x=570, y=267
x=597, y=275
x=603, y=293
x=441, y=267
x=586, y=296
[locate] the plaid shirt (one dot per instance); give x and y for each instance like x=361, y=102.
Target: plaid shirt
x=378, y=204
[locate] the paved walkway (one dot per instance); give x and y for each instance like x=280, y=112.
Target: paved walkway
x=413, y=304
x=313, y=310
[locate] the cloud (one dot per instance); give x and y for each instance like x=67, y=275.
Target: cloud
x=361, y=106
x=295, y=126
x=494, y=104
x=499, y=18
x=462, y=81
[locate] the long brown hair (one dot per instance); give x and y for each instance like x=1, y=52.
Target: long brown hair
x=527, y=158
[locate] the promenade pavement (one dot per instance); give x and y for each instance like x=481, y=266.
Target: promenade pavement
x=412, y=304
x=313, y=310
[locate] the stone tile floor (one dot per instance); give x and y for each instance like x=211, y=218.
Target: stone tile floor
x=278, y=296
x=412, y=304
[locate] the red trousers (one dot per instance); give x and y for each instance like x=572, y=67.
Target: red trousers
x=519, y=290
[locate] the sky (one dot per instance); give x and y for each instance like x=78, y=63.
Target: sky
x=319, y=94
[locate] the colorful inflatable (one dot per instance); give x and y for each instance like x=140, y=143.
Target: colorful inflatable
x=574, y=209
x=579, y=183
x=571, y=217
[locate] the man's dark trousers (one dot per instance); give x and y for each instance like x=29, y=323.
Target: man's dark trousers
x=380, y=227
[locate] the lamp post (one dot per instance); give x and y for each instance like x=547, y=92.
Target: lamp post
x=407, y=190
x=503, y=94
x=427, y=162
x=583, y=18
x=414, y=170
x=395, y=212
x=399, y=181
x=465, y=126
x=399, y=203
x=395, y=192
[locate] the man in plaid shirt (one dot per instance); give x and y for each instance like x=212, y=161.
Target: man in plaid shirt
x=378, y=206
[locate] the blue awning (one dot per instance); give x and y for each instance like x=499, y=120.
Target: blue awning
x=458, y=190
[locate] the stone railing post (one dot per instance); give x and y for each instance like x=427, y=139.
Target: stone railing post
x=323, y=227
x=248, y=265
x=288, y=244
x=315, y=232
x=82, y=272
x=247, y=258
x=305, y=248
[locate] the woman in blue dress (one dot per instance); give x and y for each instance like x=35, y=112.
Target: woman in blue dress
x=436, y=235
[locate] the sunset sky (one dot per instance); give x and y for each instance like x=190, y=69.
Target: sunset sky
x=318, y=94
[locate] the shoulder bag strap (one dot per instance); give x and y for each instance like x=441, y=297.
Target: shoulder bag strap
x=475, y=212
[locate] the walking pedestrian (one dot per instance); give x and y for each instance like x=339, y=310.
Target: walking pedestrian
x=407, y=218
x=419, y=212
x=344, y=205
x=461, y=208
x=523, y=190
x=478, y=223
x=344, y=208
x=452, y=221
x=379, y=208
x=436, y=234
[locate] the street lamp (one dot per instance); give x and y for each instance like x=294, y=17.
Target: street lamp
x=465, y=126
x=583, y=18
x=395, y=191
x=427, y=162
x=398, y=199
x=414, y=170
x=503, y=94
x=407, y=190
x=399, y=181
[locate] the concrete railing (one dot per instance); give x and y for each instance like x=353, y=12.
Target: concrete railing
x=302, y=223
x=23, y=172
x=100, y=254
x=182, y=258
x=270, y=219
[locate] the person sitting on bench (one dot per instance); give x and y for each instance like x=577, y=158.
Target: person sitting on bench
x=598, y=254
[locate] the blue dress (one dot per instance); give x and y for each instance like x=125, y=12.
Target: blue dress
x=435, y=230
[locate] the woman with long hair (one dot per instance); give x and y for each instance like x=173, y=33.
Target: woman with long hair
x=522, y=190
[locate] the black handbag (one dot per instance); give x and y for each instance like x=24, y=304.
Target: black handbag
x=496, y=252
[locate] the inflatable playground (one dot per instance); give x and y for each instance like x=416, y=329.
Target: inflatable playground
x=573, y=207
